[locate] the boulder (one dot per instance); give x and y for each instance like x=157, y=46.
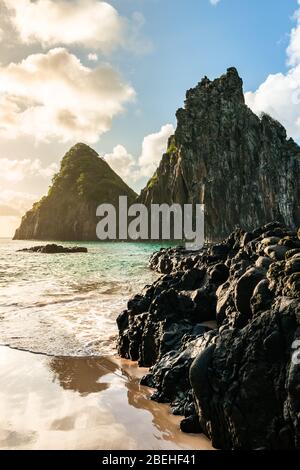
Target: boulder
x=244, y=289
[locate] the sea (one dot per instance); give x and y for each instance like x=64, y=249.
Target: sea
x=67, y=304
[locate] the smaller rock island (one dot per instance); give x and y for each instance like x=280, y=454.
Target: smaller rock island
x=53, y=248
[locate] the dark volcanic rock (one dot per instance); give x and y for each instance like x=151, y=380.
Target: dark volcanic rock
x=240, y=384
x=226, y=157
x=244, y=289
x=55, y=249
x=219, y=331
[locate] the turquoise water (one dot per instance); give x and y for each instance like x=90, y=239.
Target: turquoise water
x=66, y=304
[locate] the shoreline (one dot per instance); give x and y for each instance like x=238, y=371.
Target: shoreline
x=91, y=403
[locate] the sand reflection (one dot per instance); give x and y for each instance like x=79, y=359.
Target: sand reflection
x=82, y=403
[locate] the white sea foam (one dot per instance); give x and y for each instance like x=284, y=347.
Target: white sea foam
x=67, y=304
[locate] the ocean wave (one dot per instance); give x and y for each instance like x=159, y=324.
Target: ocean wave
x=68, y=307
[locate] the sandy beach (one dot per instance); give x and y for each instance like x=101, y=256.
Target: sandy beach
x=82, y=403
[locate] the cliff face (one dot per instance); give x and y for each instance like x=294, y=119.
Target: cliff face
x=242, y=167
x=68, y=212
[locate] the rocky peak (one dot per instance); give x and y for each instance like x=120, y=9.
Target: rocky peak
x=79, y=152
x=228, y=87
x=80, y=147
x=241, y=166
x=68, y=212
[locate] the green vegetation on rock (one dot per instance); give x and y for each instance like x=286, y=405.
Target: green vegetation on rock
x=152, y=181
x=68, y=212
x=172, y=148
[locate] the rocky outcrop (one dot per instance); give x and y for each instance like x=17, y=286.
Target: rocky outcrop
x=220, y=333
x=246, y=386
x=68, y=212
x=241, y=166
x=52, y=249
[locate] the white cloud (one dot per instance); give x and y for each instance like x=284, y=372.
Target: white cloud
x=279, y=95
x=134, y=170
x=18, y=170
x=121, y=162
x=88, y=23
x=154, y=145
x=93, y=57
x=293, y=50
x=91, y=24
x=133, y=40
x=54, y=95
x=15, y=203
x=214, y=2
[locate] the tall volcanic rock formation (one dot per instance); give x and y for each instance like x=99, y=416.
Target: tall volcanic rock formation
x=68, y=212
x=242, y=167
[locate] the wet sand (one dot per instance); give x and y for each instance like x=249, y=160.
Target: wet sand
x=82, y=403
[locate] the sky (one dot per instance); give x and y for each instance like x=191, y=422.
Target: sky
x=113, y=73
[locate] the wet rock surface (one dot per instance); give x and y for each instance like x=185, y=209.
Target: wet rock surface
x=53, y=248
x=219, y=331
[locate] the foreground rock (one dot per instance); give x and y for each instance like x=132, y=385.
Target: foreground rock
x=55, y=249
x=220, y=331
